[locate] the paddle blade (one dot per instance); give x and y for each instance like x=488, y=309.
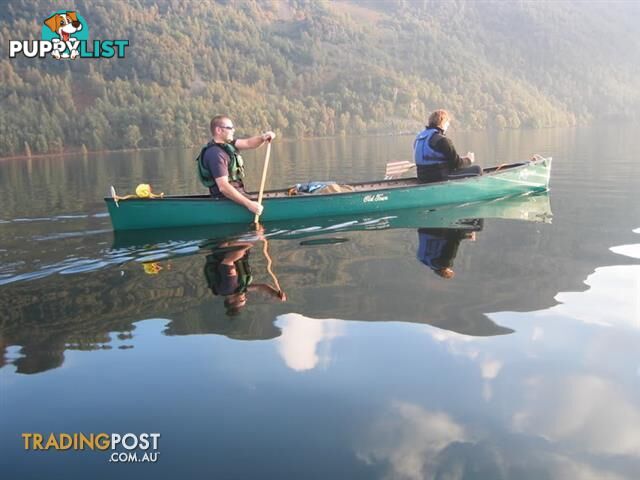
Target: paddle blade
x=114, y=196
x=395, y=169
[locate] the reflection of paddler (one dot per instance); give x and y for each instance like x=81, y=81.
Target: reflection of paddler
x=228, y=273
x=438, y=247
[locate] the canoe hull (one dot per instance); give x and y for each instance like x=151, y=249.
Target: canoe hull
x=171, y=212
x=528, y=207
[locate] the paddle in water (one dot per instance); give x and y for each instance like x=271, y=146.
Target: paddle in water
x=265, y=249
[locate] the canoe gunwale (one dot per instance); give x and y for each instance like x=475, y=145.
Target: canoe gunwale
x=381, y=185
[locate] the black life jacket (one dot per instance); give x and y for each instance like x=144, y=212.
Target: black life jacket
x=214, y=276
x=235, y=166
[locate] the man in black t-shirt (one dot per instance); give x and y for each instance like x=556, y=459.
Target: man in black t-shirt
x=228, y=274
x=220, y=164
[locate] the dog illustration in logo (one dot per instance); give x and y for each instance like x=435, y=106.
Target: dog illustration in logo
x=64, y=24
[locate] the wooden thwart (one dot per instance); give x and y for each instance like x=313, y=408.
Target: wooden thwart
x=395, y=169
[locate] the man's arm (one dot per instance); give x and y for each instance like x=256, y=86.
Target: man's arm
x=268, y=290
x=445, y=146
x=217, y=161
x=254, y=142
x=231, y=193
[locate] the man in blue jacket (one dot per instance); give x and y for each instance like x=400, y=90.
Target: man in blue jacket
x=438, y=247
x=436, y=157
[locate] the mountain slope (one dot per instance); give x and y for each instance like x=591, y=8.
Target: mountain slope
x=309, y=68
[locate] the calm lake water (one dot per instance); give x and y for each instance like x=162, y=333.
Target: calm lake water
x=524, y=365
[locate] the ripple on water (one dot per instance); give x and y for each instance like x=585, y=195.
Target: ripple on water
x=54, y=218
x=63, y=235
x=153, y=258
x=89, y=267
x=77, y=265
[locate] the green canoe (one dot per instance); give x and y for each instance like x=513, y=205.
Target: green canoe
x=531, y=207
x=367, y=197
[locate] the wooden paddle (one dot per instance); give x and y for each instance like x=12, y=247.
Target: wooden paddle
x=257, y=217
x=265, y=250
x=264, y=179
x=395, y=169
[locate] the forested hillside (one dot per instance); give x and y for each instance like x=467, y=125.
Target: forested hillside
x=317, y=68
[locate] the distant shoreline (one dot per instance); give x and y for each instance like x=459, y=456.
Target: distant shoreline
x=77, y=152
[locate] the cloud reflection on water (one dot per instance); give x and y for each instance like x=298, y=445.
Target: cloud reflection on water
x=584, y=412
x=409, y=439
x=410, y=442
x=578, y=420
x=302, y=337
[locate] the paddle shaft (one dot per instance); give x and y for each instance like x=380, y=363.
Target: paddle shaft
x=264, y=178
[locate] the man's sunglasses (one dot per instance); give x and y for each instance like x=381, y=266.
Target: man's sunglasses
x=226, y=127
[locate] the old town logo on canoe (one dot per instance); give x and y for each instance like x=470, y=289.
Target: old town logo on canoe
x=378, y=197
x=65, y=35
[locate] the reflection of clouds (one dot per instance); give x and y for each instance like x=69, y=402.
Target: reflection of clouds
x=588, y=413
x=456, y=343
x=471, y=347
x=632, y=251
x=301, y=336
x=593, y=414
x=537, y=334
x=562, y=423
x=490, y=369
x=408, y=440
x=612, y=300
x=563, y=467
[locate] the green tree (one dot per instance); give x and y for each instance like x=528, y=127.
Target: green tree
x=133, y=136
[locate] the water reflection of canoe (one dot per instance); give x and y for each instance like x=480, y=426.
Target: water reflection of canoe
x=368, y=197
x=530, y=207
